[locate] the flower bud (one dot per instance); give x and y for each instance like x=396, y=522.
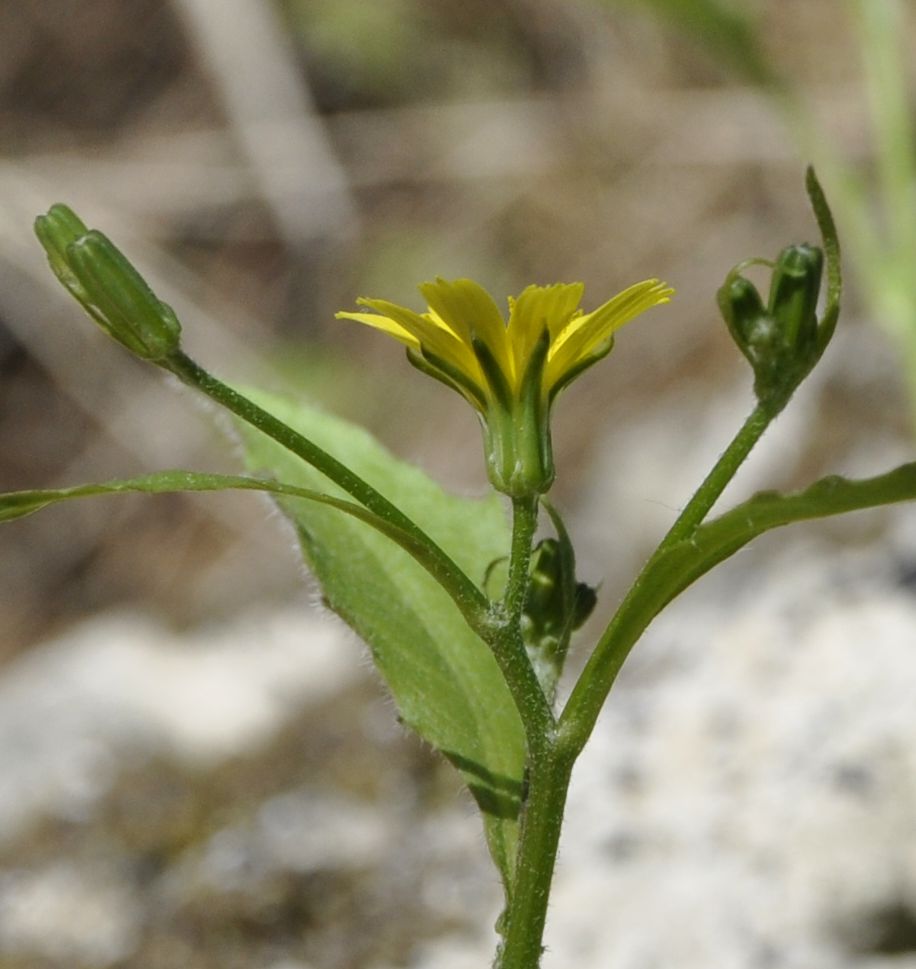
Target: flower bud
x=555, y=605
x=544, y=600
x=780, y=340
x=784, y=340
x=109, y=288
x=794, y=289
x=131, y=311
x=555, y=602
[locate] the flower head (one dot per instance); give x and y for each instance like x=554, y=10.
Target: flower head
x=107, y=286
x=783, y=339
x=510, y=371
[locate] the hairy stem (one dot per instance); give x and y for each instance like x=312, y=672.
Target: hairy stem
x=547, y=777
x=524, y=524
x=507, y=642
x=723, y=471
x=542, y=819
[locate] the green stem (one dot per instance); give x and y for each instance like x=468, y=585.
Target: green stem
x=469, y=599
x=722, y=473
x=640, y=606
x=647, y=596
x=507, y=642
x=547, y=776
x=524, y=525
x=542, y=819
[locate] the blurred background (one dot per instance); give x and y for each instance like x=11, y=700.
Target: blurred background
x=196, y=767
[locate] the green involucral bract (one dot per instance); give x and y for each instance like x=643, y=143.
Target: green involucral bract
x=779, y=339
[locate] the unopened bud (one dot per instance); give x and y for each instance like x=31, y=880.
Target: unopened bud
x=544, y=601
x=109, y=288
x=781, y=339
x=131, y=311
x=555, y=602
x=794, y=291
x=56, y=231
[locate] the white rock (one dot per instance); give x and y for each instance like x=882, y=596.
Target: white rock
x=73, y=709
x=77, y=916
x=751, y=788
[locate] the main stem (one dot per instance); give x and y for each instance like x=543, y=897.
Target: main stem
x=507, y=642
x=552, y=753
x=542, y=818
x=547, y=774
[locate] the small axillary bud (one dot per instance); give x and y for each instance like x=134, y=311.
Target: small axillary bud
x=555, y=605
x=544, y=600
x=107, y=285
x=555, y=602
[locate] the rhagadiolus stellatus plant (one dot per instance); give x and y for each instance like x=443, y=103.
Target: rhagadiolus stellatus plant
x=469, y=620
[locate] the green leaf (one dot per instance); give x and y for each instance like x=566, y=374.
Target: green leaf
x=720, y=538
x=19, y=504
x=444, y=679
x=831, y=244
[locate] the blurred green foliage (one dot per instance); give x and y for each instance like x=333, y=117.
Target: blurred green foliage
x=875, y=199
x=726, y=30
x=390, y=52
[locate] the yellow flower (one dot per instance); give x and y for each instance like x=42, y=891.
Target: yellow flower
x=510, y=372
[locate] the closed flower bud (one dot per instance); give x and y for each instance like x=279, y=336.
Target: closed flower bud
x=794, y=291
x=780, y=340
x=555, y=605
x=131, y=311
x=56, y=231
x=109, y=288
x=544, y=605
x=784, y=340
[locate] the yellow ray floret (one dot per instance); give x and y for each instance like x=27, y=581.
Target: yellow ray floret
x=463, y=320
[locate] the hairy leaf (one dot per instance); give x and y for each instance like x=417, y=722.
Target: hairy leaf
x=444, y=679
